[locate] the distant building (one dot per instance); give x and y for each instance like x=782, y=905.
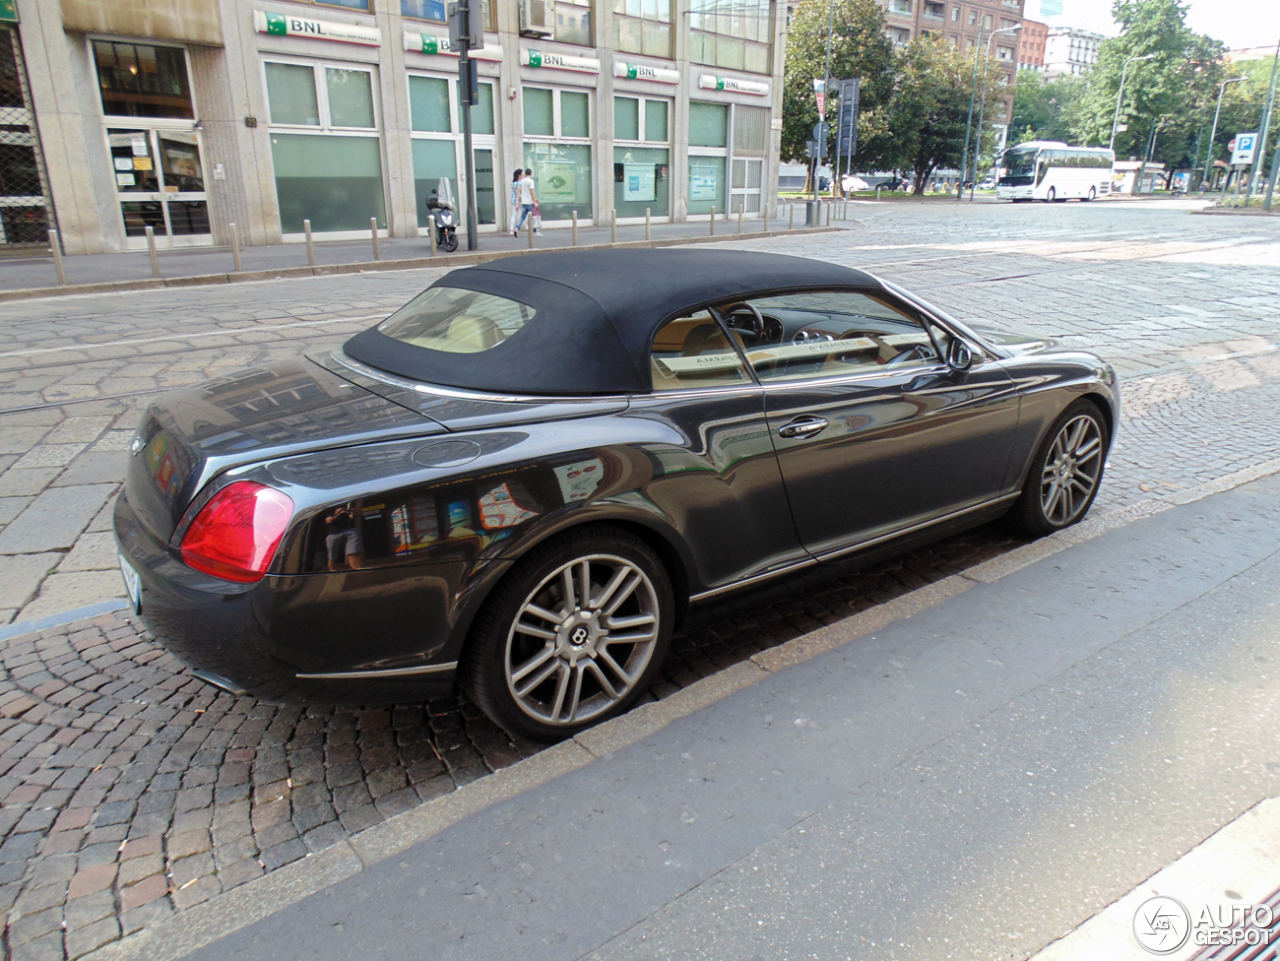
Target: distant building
x=1070, y=51
x=1031, y=45
x=1265, y=52
x=961, y=24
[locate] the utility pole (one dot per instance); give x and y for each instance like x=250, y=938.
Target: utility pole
x=1120, y=94
x=982, y=110
x=968, y=124
x=1264, y=130
x=466, y=29
x=1209, y=157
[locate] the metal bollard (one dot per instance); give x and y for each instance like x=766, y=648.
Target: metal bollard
x=575, y=228
x=741, y=204
x=791, y=216
x=613, y=226
x=877, y=191
x=373, y=228
x=311, y=251
x=713, y=220
x=646, y=224
x=55, y=244
x=235, y=246
x=766, y=218
x=529, y=221
x=431, y=232
x=828, y=215
x=151, y=249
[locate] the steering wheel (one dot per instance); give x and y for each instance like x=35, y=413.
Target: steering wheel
x=747, y=312
x=915, y=353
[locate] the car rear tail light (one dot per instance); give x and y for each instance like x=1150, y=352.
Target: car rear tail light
x=235, y=535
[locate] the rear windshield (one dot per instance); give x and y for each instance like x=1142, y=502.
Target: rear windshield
x=457, y=321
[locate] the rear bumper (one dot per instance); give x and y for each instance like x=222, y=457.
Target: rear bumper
x=370, y=628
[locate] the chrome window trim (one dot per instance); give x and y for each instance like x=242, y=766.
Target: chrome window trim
x=387, y=672
x=845, y=380
x=457, y=393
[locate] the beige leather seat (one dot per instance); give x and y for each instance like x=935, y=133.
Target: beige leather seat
x=471, y=333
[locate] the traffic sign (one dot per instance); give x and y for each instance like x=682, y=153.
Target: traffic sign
x=821, y=131
x=1246, y=146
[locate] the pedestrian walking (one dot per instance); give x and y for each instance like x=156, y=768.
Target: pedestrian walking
x=515, y=195
x=528, y=202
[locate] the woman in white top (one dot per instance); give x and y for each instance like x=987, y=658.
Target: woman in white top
x=515, y=195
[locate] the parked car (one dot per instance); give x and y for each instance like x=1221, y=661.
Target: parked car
x=988, y=184
x=524, y=476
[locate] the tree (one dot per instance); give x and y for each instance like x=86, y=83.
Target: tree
x=1044, y=109
x=1167, y=98
x=859, y=49
x=929, y=109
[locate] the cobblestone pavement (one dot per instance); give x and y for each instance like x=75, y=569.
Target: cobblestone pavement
x=130, y=790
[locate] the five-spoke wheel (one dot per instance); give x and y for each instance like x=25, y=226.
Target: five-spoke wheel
x=1066, y=472
x=573, y=635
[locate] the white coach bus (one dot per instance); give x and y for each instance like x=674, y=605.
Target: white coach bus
x=1050, y=170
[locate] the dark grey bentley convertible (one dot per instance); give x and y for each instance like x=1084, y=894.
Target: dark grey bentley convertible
x=524, y=475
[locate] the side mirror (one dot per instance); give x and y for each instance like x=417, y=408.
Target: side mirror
x=959, y=356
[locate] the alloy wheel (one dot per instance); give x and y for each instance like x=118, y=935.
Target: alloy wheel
x=582, y=639
x=1071, y=470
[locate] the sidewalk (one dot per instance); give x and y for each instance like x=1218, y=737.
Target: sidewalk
x=33, y=271
x=970, y=771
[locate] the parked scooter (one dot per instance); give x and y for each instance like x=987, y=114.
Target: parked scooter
x=446, y=225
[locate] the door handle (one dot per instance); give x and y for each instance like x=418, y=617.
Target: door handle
x=803, y=427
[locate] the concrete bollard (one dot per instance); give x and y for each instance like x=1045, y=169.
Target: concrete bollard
x=647, y=235
x=766, y=218
x=151, y=249
x=741, y=205
x=373, y=228
x=877, y=191
x=55, y=244
x=791, y=216
x=311, y=251
x=575, y=228
x=529, y=226
x=431, y=232
x=713, y=220
x=613, y=226
x=235, y=246
x=827, y=221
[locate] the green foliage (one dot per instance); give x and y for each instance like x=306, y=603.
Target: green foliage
x=1044, y=109
x=859, y=49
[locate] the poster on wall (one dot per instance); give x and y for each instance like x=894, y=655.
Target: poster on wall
x=639, y=182
x=557, y=182
x=703, y=181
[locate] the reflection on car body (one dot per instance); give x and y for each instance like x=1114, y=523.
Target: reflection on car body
x=522, y=478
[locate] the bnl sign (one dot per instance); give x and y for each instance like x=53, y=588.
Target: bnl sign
x=1245, y=146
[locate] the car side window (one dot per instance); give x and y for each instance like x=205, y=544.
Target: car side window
x=693, y=351
x=833, y=334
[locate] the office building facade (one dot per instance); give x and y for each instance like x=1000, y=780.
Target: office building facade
x=189, y=115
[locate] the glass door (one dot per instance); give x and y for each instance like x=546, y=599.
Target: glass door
x=486, y=204
x=748, y=179
x=159, y=180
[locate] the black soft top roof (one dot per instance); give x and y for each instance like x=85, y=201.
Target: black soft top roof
x=597, y=313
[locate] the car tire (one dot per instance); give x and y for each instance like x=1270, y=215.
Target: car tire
x=1073, y=450
x=544, y=665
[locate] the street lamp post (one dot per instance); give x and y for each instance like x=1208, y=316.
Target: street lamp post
x=1120, y=94
x=982, y=109
x=968, y=124
x=1208, y=160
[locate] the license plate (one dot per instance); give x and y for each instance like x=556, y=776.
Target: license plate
x=132, y=584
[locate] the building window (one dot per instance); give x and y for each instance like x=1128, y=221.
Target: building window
x=641, y=156
x=436, y=118
x=435, y=11
x=955, y=14
x=902, y=7
x=325, y=146
x=1004, y=53
x=1007, y=24
x=140, y=80
x=574, y=22
x=643, y=26
x=731, y=33
x=557, y=148
x=986, y=21
x=349, y=4
x=973, y=18
x=935, y=11
x=899, y=35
